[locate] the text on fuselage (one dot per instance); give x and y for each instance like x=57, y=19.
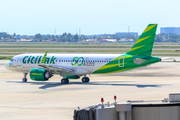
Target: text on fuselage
x=37, y=60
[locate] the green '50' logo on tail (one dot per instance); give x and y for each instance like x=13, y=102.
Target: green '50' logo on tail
x=77, y=61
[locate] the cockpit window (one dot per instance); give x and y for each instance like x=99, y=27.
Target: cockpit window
x=12, y=60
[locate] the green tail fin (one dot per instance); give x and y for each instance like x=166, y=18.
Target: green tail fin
x=144, y=45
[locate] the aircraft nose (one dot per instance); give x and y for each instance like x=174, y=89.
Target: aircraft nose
x=7, y=65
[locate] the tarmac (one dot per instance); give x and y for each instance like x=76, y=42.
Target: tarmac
x=52, y=100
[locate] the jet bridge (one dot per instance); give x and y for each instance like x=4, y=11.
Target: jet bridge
x=166, y=109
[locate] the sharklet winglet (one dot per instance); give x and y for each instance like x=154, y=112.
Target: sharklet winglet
x=43, y=59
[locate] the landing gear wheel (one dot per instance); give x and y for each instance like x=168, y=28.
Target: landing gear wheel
x=24, y=79
x=85, y=79
x=64, y=81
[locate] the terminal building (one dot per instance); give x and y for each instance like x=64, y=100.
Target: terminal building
x=170, y=30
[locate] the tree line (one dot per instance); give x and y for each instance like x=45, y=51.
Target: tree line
x=68, y=37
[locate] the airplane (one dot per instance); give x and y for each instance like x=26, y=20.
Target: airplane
x=41, y=67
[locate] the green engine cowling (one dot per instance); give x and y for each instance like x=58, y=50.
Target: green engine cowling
x=39, y=74
x=72, y=77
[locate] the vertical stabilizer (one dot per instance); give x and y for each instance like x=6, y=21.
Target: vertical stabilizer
x=144, y=45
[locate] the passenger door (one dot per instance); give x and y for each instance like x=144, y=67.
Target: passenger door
x=19, y=61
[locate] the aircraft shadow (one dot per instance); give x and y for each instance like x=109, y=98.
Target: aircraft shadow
x=46, y=85
x=97, y=83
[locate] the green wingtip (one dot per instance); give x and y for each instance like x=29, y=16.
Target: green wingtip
x=44, y=58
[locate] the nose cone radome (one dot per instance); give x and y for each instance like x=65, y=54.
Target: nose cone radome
x=7, y=65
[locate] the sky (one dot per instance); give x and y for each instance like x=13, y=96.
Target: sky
x=29, y=17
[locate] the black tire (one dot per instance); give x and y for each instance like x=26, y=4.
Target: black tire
x=64, y=81
x=67, y=81
x=85, y=79
x=24, y=79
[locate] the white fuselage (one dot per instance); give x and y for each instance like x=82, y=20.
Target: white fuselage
x=83, y=63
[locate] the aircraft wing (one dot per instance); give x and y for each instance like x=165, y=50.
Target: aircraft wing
x=54, y=67
x=57, y=68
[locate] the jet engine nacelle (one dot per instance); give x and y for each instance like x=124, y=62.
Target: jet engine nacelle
x=39, y=74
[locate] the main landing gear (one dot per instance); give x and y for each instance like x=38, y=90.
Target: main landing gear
x=25, y=79
x=85, y=79
x=65, y=81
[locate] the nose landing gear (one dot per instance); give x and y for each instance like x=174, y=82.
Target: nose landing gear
x=25, y=79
